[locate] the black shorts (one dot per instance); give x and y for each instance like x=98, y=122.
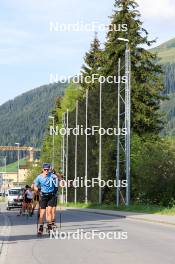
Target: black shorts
x=47, y=200
x=55, y=201
x=27, y=200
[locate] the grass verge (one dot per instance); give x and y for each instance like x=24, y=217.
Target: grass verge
x=139, y=208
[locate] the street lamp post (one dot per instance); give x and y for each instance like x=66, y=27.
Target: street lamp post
x=53, y=140
x=18, y=164
x=128, y=121
x=3, y=177
x=5, y=162
x=127, y=116
x=100, y=150
x=63, y=154
x=118, y=141
x=67, y=150
x=86, y=151
x=76, y=146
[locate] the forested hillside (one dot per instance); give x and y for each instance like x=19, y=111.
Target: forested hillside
x=169, y=76
x=25, y=118
x=166, y=55
x=168, y=107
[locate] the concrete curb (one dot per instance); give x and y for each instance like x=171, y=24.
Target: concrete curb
x=134, y=216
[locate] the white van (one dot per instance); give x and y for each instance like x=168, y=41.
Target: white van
x=14, y=198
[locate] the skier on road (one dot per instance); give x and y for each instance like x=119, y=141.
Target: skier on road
x=47, y=181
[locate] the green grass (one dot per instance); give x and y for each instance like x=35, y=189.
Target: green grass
x=139, y=208
x=13, y=167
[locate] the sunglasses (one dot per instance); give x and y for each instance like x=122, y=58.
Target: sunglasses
x=46, y=169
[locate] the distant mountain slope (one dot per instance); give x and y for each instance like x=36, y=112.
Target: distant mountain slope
x=166, y=51
x=168, y=108
x=166, y=54
x=25, y=118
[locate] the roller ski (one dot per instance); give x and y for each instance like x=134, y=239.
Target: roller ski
x=49, y=228
x=40, y=230
x=54, y=226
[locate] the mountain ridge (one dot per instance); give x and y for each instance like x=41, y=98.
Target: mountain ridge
x=166, y=51
x=24, y=119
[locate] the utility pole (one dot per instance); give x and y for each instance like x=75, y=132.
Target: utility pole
x=126, y=100
x=53, y=141
x=76, y=145
x=128, y=120
x=100, y=146
x=3, y=173
x=18, y=164
x=63, y=153
x=118, y=140
x=5, y=161
x=67, y=149
x=86, y=150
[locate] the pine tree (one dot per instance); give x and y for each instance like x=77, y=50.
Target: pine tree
x=92, y=62
x=146, y=80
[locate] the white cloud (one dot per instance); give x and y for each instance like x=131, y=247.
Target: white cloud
x=157, y=9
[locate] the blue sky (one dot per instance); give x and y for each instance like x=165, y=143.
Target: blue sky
x=29, y=52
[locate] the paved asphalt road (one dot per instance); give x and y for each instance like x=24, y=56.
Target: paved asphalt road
x=146, y=242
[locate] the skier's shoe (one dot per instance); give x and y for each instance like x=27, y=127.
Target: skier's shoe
x=54, y=226
x=49, y=228
x=40, y=231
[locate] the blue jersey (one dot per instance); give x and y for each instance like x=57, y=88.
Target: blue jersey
x=47, y=183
